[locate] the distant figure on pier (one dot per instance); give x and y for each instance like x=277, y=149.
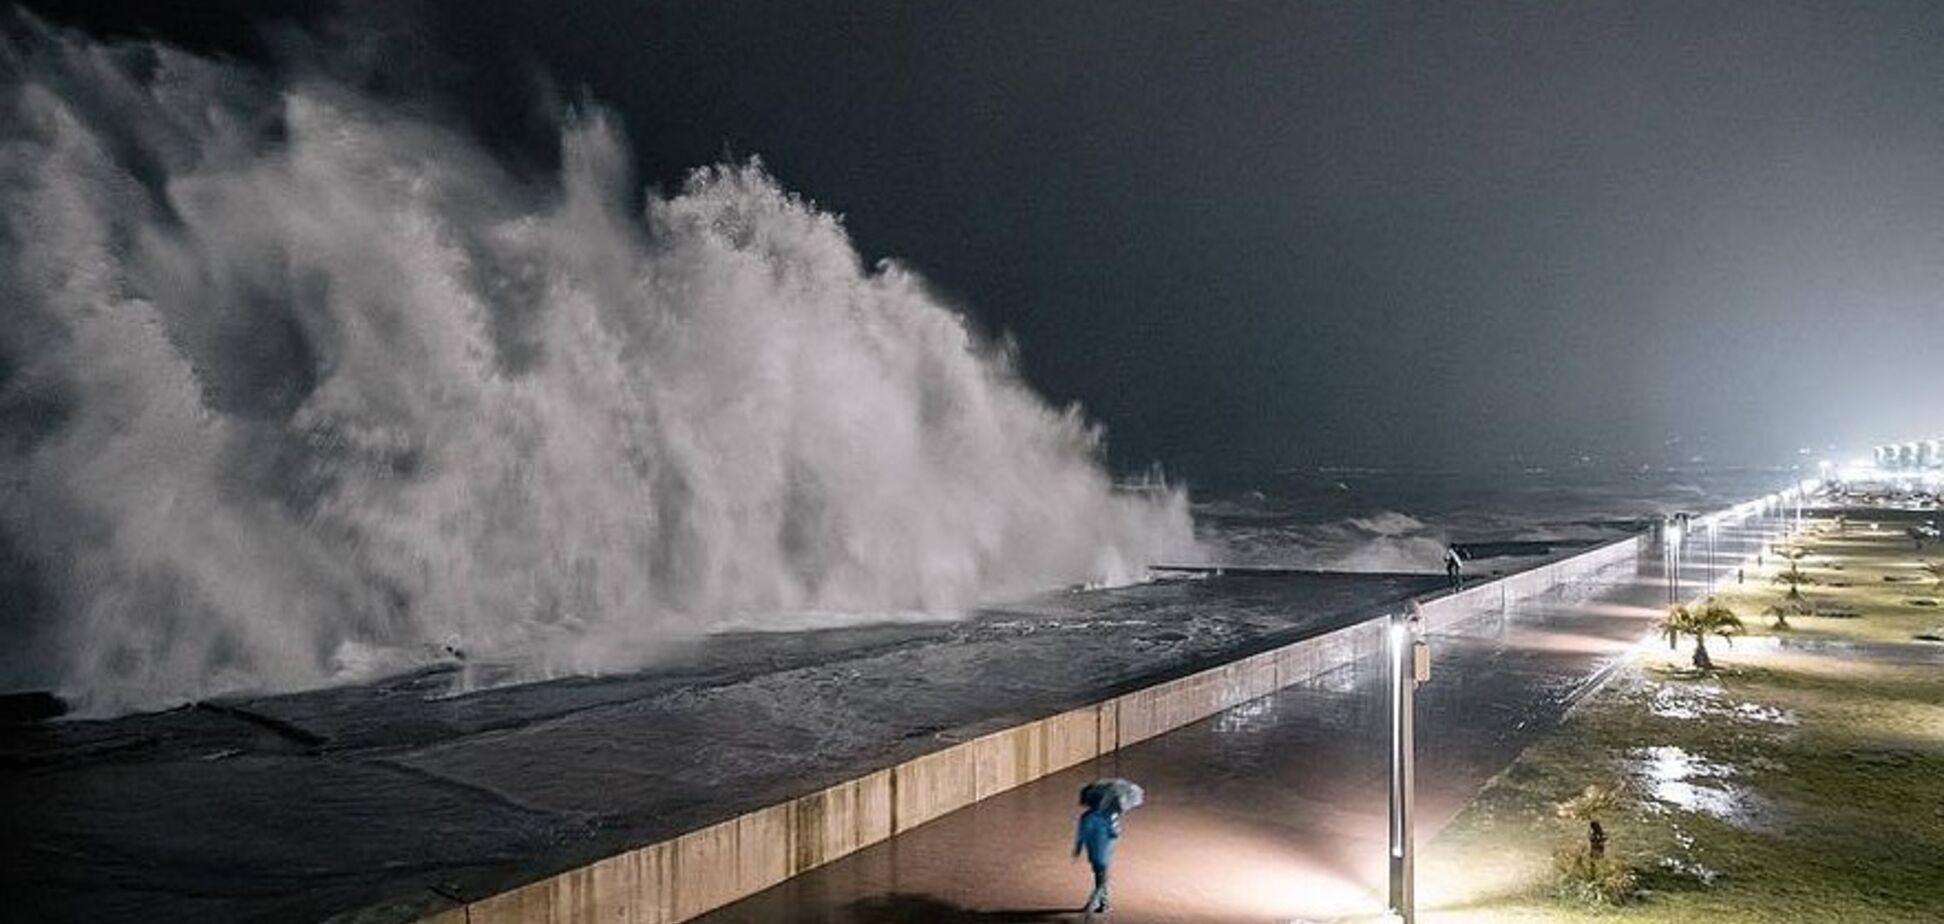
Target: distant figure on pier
x=1454, y=566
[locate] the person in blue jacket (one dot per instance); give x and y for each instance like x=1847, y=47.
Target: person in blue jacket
x=1099, y=826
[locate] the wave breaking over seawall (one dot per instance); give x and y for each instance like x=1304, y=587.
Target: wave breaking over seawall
x=297, y=389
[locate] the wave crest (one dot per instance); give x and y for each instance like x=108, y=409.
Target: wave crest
x=300, y=388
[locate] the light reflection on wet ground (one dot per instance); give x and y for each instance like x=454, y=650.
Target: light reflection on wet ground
x=1687, y=865
x=1689, y=782
x=1703, y=698
x=411, y=795
x=1274, y=811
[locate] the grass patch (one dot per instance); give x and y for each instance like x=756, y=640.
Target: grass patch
x=1866, y=582
x=1785, y=787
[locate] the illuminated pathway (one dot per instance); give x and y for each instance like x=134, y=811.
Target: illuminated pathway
x=1272, y=811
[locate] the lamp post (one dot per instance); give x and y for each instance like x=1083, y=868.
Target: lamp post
x=1410, y=665
x=1714, y=563
x=1671, y=552
x=1680, y=550
x=1667, y=557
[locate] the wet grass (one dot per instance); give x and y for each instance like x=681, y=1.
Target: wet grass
x=1785, y=787
x=1873, y=583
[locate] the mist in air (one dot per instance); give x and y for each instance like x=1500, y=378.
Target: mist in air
x=302, y=389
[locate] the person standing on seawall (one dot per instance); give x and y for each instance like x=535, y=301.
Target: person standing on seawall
x=1454, y=566
x=1099, y=827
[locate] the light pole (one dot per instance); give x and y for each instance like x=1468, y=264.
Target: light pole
x=1714, y=563
x=1671, y=557
x=1680, y=551
x=1410, y=665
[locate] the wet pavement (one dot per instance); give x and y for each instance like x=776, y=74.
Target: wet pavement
x=1274, y=810
x=390, y=800
x=395, y=799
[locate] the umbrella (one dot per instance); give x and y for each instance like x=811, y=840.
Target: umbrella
x=1112, y=794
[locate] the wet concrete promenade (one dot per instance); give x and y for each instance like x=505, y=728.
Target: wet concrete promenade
x=1274, y=810
x=391, y=801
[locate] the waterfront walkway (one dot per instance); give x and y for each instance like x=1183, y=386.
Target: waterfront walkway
x=394, y=800
x=1274, y=810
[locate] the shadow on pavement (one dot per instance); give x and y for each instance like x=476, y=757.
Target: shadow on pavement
x=901, y=909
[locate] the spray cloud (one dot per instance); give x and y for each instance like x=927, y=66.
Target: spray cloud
x=297, y=388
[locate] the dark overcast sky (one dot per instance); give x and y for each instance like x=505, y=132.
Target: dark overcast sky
x=1257, y=235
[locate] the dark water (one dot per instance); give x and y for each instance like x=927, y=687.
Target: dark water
x=1402, y=520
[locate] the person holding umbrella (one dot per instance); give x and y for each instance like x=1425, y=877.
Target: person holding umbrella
x=1099, y=827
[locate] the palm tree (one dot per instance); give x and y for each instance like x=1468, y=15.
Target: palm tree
x=1787, y=608
x=1710, y=617
x=1594, y=804
x=1794, y=576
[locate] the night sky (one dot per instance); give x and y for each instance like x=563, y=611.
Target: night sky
x=1254, y=236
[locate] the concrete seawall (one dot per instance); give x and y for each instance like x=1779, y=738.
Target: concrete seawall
x=1489, y=598
x=683, y=877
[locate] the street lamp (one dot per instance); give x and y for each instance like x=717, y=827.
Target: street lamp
x=1671, y=556
x=1410, y=665
x=1680, y=550
x=1714, y=564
